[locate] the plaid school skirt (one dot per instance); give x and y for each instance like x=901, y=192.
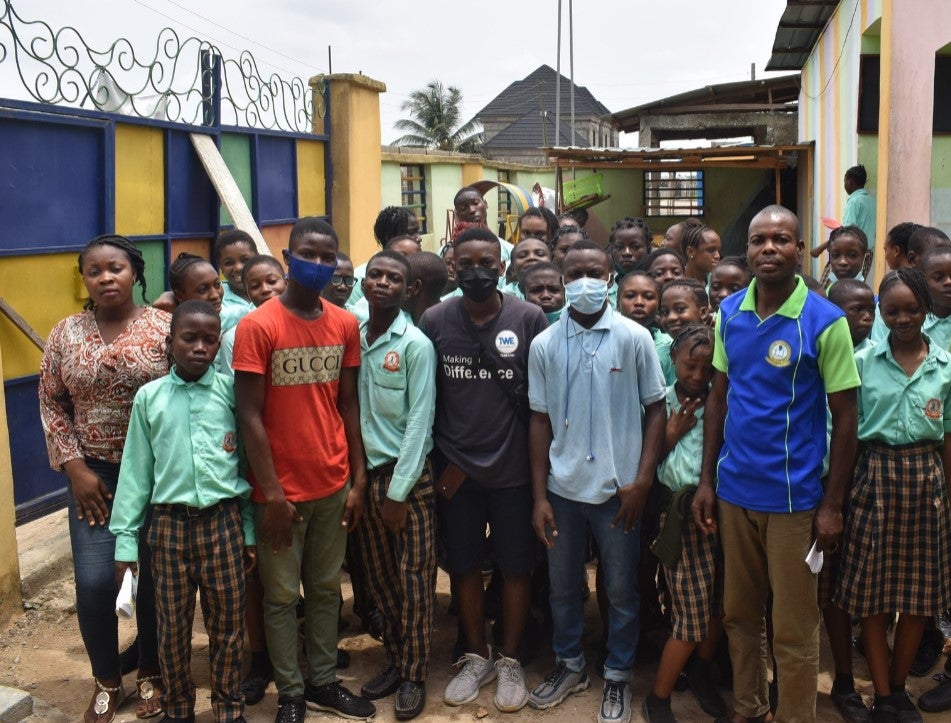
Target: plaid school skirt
x=896, y=555
x=692, y=590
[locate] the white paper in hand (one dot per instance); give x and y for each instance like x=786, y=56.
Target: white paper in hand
x=125, y=600
x=814, y=559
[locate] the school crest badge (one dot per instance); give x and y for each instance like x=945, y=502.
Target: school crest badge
x=779, y=354
x=934, y=409
x=391, y=362
x=230, y=443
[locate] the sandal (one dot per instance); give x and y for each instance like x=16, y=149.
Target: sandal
x=104, y=704
x=149, y=703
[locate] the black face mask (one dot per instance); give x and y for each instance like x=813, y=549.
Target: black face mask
x=477, y=282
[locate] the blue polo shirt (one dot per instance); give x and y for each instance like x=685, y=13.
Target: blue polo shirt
x=780, y=370
x=592, y=383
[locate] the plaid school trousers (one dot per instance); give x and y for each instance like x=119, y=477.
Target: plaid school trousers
x=401, y=571
x=199, y=550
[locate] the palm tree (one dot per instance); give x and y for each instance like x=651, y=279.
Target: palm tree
x=433, y=121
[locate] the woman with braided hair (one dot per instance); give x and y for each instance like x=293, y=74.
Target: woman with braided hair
x=701, y=249
x=94, y=363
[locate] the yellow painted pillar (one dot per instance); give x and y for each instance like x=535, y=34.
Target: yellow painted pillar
x=472, y=172
x=10, y=602
x=356, y=160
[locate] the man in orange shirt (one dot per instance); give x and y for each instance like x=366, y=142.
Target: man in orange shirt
x=295, y=361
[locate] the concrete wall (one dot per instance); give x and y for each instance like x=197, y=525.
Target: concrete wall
x=908, y=167
x=445, y=174
x=828, y=105
x=767, y=128
x=941, y=183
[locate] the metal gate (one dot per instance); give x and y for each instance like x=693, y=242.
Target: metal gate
x=98, y=141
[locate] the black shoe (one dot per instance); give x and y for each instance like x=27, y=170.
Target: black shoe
x=907, y=712
x=929, y=649
x=883, y=714
x=657, y=710
x=701, y=685
x=189, y=719
x=850, y=706
x=290, y=709
x=410, y=700
x=334, y=698
x=382, y=684
x=343, y=659
x=936, y=700
x=255, y=685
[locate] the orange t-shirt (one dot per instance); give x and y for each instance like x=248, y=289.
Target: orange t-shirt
x=301, y=362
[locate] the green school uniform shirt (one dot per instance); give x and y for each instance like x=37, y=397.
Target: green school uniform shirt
x=663, y=342
x=397, y=402
x=681, y=467
x=897, y=409
x=181, y=449
x=233, y=307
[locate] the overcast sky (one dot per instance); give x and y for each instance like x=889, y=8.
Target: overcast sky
x=627, y=52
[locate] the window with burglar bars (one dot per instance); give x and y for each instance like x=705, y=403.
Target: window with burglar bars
x=413, y=192
x=673, y=193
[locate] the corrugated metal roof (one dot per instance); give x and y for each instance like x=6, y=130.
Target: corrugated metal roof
x=769, y=92
x=799, y=29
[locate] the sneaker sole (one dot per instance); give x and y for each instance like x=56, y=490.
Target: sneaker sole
x=512, y=708
x=472, y=697
x=579, y=688
x=328, y=709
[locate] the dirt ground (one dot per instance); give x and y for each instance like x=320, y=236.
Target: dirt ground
x=42, y=652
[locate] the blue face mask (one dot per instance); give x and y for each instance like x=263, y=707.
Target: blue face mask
x=310, y=275
x=553, y=316
x=585, y=295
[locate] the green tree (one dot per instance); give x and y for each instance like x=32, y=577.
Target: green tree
x=434, y=121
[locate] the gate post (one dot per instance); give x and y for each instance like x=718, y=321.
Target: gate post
x=10, y=601
x=354, y=115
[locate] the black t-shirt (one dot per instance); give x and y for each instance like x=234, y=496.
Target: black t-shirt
x=476, y=426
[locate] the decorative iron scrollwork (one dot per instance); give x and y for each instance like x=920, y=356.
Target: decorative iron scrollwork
x=183, y=80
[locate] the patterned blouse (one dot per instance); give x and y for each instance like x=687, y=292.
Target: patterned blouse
x=86, y=387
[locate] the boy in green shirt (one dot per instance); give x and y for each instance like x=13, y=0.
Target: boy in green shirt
x=397, y=407
x=181, y=459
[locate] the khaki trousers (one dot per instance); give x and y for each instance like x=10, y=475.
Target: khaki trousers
x=765, y=552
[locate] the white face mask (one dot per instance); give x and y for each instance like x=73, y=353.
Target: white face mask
x=586, y=295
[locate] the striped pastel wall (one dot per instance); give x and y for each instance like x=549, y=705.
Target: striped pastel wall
x=828, y=105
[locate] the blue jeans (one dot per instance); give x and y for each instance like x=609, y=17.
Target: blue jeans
x=94, y=554
x=620, y=554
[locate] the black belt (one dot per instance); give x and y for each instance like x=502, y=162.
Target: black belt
x=383, y=469
x=188, y=511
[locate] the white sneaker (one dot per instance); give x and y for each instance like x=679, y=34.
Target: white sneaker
x=476, y=672
x=615, y=703
x=510, y=691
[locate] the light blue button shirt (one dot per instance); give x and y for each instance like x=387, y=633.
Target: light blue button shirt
x=592, y=383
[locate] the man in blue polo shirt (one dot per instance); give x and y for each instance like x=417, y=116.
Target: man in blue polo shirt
x=781, y=353
x=593, y=459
